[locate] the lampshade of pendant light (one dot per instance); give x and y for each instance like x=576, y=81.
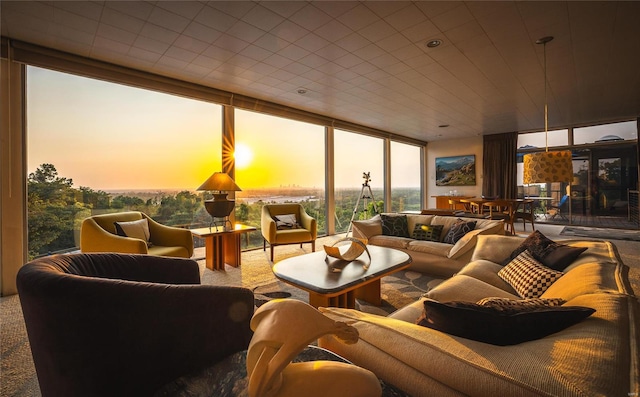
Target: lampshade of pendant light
x=554, y=166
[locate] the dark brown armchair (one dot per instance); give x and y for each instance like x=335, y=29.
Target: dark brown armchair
x=125, y=325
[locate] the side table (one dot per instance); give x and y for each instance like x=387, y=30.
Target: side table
x=222, y=246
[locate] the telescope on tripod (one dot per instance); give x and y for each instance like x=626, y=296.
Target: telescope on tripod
x=366, y=194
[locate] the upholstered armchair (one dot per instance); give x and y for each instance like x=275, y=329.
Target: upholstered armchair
x=279, y=228
x=99, y=234
x=126, y=325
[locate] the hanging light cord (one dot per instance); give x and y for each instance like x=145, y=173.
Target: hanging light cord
x=544, y=42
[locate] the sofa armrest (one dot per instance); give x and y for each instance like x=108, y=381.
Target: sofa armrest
x=469, y=240
x=267, y=225
x=93, y=238
x=309, y=223
x=367, y=228
x=169, y=236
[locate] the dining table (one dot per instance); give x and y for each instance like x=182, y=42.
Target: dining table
x=494, y=208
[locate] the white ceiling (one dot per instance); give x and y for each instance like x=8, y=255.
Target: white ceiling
x=366, y=62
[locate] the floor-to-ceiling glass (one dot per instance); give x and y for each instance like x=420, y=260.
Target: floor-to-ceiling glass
x=95, y=146
x=278, y=160
x=405, y=177
x=359, y=177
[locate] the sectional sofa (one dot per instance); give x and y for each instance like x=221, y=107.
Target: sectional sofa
x=596, y=356
x=433, y=256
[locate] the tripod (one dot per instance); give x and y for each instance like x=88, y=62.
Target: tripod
x=365, y=197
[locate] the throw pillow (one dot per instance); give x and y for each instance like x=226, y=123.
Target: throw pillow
x=395, y=225
x=427, y=232
x=496, y=326
x=527, y=276
x=458, y=230
x=136, y=229
x=287, y=221
x=508, y=304
x=548, y=252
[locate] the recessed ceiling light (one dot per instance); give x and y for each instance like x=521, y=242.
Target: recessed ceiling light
x=433, y=43
x=302, y=91
x=443, y=125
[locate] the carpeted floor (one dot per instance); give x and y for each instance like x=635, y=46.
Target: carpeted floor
x=17, y=373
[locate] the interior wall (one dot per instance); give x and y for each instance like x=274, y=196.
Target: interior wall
x=447, y=148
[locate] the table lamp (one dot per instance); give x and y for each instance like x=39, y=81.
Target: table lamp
x=220, y=183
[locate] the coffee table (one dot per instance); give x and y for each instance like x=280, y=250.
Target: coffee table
x=347, y=281
x=222, y=246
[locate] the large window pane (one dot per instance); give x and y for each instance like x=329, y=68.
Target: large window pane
x=95, y=146
x=538, y=139
x=606, y=133
x=278, y=160
x=356, y=155
x=405, y=177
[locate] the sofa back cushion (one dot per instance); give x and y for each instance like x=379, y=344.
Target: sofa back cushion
x=495, y=248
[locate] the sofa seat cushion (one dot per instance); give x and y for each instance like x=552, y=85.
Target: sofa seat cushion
x=587, y=359
x=176, y=251
x=429, y=247
x=390, y=241
x=465, y=288
x=292, y=236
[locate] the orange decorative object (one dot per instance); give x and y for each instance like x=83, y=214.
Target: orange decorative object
x=544, y=167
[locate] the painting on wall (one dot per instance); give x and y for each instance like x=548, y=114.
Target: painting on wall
x=456, y=170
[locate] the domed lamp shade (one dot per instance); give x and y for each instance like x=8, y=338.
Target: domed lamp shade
x=220, y=184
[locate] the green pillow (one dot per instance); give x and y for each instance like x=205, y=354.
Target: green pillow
x=427, y=232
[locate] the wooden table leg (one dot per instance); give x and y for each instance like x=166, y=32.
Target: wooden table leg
x=232, y=250
x=370, y=292
x=214, y=252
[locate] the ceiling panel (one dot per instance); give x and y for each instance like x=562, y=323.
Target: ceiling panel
x=367, y=62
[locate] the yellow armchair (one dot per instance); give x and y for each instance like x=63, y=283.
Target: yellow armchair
x=98, y=234
x=305, y=231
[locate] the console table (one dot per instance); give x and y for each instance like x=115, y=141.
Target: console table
x=222, y=246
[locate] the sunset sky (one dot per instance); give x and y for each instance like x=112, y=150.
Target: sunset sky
x=112, y=137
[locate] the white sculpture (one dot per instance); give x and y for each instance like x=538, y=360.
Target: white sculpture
x=283, y=328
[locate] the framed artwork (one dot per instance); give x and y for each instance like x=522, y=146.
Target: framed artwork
x=456, y=170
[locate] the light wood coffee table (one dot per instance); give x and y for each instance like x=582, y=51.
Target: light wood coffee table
x=338, y=283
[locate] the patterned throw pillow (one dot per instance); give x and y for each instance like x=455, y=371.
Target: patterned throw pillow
x=527, y=276
x=508, y=305
x=395, y=225
x=548, y=252
x=458, y=230
x=427, y=232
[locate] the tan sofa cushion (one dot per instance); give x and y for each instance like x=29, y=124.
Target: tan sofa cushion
x=390, y=241
x=487, y=271
x=367, y=228
x=430, y=247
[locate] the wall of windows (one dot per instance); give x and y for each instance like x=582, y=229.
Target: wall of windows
x=96, y=146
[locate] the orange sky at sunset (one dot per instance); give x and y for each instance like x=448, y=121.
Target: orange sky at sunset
x=112, y=137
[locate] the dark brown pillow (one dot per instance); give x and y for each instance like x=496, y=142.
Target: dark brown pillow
x=551, y=254
x=395, y=225
x=497, y=326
